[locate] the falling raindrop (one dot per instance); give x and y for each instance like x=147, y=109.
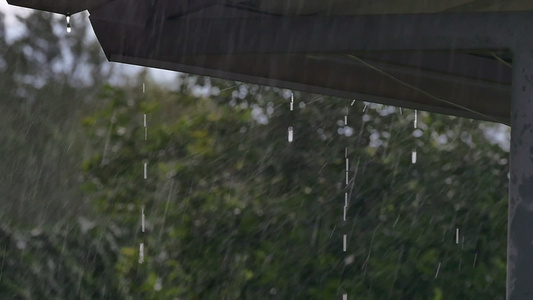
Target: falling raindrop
x=345, y=205
x=396, y=222
x=344, y=243
x=145, y=175
x=142, y=219
x=415, y=123
x=345, y=297
x=457, y=236
x=475, y=259
x=69, y=28
x=438, y=269
x=413, y=157
x=347, y=164
x=141, y=253
x=145, y=129
x=344, y=218
x=145, y=171
x=346, y=199
x=292, y=101
x=290, y=134
x=347, y=179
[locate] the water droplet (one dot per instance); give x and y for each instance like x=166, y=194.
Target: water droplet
x=438, y=269
x=142, y=219
x=69, y=29
x=141, y=253
x=344, y=243
x=145, y=171
x=290, y=131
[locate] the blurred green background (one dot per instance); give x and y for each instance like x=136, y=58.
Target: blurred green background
x=233, y=211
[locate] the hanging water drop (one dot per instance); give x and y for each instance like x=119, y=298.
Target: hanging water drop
x=290, y=134
x=69, y=29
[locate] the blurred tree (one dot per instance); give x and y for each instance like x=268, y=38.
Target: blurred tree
x=68, y=261
x=235, y=211
x=46, y=77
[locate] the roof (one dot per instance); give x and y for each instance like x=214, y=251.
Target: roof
x=452, y=57
x=65, y=7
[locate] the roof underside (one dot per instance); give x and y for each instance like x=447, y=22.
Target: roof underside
x=306, y=7
x=344, y=48
x=66, y=7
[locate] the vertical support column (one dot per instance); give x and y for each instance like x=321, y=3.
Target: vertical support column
x=520, y=222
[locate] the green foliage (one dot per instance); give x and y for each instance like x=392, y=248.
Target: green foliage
x=63, y=262
x=46, y=84
x=235, y=211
